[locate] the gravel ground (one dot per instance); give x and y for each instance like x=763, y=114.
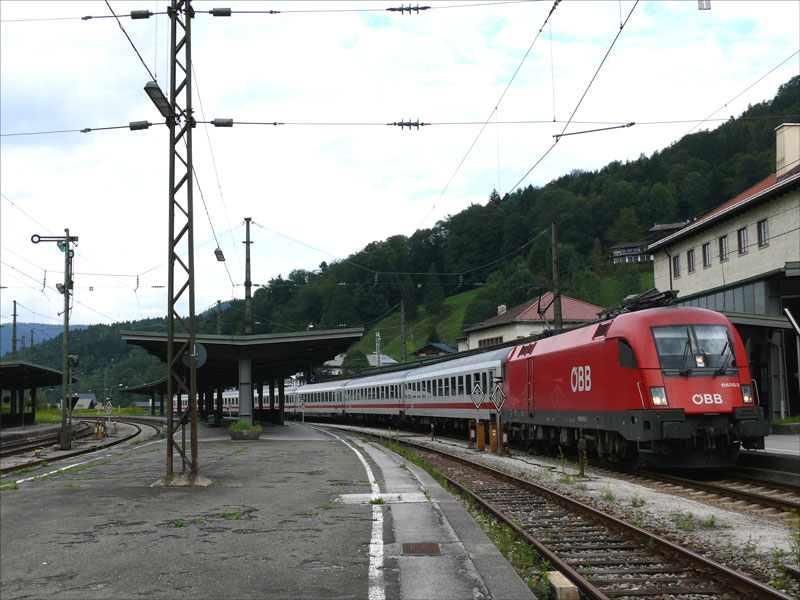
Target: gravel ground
x=758, y=547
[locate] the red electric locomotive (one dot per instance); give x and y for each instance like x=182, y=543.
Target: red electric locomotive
x=669, y=385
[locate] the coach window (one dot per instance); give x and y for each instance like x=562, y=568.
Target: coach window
x=460, y=385
x=446, y=386
x=468, y=382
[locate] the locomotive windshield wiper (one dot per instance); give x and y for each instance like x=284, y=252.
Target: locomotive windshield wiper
x=726, y=352
x=686, y=352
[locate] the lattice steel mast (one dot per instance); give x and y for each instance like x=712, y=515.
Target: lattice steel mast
x=181, y=236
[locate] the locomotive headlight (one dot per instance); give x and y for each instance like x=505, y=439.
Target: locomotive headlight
x=747, y=395
x=659, y=396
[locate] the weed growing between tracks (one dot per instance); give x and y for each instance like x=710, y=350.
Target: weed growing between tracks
x=524, y=558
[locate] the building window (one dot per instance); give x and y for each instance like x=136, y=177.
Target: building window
x=763, y=234
x=741, y=237
x=723, y=248
x=706, y=255
x=690, y=260
x=490, y=342
x=676, y=266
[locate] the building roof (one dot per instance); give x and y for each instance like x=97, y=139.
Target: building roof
x=764, y=190
x=667, y=226
x=638, y=244
x=528, y=312
x=441, y=348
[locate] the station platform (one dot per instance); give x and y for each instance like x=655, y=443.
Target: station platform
x=304, y=512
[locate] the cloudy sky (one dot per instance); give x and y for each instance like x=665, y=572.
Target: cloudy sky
x=494, y=80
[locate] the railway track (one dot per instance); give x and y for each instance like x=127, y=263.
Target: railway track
x=604, y=556
x=768, y=499
x=32, y=445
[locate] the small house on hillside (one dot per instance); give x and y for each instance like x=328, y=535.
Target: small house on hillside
x=429, y=350
x=526, y=319
x=333, y=367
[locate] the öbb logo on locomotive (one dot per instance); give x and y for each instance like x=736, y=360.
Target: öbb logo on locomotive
x=707, y=398
x=581, y=379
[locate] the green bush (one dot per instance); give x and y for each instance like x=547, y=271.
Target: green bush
x=244, y=426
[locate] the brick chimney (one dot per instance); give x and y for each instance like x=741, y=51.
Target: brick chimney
x=787, y=150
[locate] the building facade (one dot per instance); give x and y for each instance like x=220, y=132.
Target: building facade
x=743, y=259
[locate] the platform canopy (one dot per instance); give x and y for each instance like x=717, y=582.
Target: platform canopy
x=272, y=356
x=21, y=375
x=148, y=389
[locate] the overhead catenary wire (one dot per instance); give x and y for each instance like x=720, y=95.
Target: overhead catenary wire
x=577, y=106
x=637, y=122
x=494, y=110
x=773, y=69
x=135, y=49
x=216, y=174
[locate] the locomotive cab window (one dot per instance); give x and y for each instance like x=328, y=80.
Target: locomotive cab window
x=687, y=347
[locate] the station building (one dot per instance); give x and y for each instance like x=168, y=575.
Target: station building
x=743, y=259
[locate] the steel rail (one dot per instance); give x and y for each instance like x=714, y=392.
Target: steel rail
x=27, y=444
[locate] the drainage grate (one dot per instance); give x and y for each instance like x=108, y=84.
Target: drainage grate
x=424, y=548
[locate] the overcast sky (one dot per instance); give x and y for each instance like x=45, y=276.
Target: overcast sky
x=335, y=177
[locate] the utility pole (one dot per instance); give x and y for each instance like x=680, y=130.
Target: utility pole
x=180, y=120
x=14, y=334
x=245, y=372
x=402, y=331
x=378, y=348
x=219, y=317
x=557, y=321
x=248, y=308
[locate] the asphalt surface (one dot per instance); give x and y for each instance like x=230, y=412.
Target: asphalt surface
x=288, y=516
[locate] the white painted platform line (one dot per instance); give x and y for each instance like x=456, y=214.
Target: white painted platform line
x=377, y=589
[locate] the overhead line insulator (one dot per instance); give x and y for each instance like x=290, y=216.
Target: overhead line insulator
x=220, y=12
x=408, y=9
x=409, y=124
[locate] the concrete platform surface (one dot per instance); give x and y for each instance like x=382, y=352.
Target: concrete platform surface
x=288, y=516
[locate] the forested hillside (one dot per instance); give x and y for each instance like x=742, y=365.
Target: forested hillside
x=498, y=251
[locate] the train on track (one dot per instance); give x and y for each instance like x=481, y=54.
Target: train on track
x=670, y=387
